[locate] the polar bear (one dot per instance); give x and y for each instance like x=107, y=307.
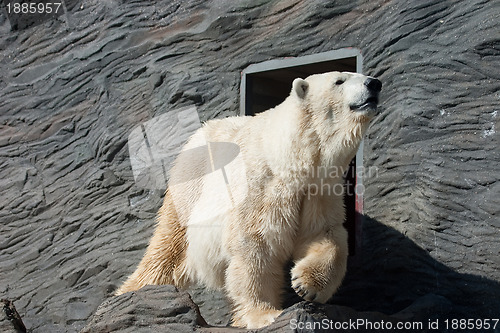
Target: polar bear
x=239, y=205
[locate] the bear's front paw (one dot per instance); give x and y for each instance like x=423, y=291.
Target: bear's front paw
x=311, y=284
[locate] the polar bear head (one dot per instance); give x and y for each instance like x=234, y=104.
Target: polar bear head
x=338, y=96
x=336, y=109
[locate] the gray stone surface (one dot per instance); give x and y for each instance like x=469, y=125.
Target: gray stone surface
x=74, y=223
x=165, y=309
x=151, y=309
x=10, y=320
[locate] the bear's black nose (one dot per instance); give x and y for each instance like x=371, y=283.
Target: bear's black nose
x=373, y=84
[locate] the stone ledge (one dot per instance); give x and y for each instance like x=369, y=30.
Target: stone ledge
x=166, y=309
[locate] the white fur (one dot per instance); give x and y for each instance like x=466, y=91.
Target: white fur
x=244, y=222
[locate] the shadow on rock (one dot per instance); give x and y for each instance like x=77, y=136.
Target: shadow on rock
x=394, y=275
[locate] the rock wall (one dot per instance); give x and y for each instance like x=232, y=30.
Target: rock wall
x=74, y=223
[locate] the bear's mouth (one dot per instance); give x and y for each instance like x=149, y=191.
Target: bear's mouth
x=369, y=104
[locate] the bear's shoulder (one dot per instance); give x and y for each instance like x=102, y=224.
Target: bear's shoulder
x=225, y=129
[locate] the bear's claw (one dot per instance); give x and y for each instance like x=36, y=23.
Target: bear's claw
x=302, y=291
x=307, y=287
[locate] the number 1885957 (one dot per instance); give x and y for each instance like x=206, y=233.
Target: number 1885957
x=34, y=8
x=471, y=324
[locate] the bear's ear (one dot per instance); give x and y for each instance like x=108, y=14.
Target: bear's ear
x=300, y=87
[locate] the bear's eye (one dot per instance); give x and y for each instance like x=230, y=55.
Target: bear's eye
x=339, y=82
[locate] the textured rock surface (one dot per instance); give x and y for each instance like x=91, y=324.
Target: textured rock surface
x=10, y=320
x=163, y=308
x=74, y=222
x=151, y=309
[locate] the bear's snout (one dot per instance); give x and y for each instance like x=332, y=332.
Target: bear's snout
x=365, y=100
x=373, y=84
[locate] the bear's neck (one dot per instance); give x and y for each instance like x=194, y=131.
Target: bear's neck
x=338, y=147
x=295, y=139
